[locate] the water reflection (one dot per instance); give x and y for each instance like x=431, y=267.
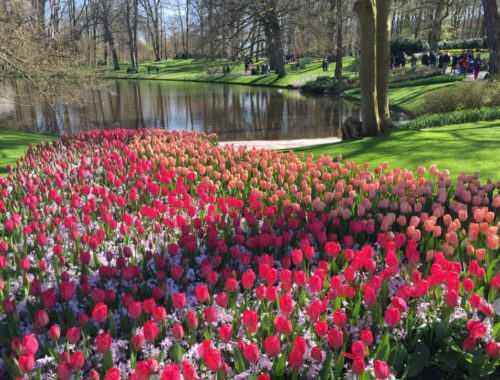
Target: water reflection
x=233, y=112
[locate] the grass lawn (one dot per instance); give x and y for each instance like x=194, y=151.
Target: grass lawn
x=13, y=144
x=469, y=148
x=196, y=70
x=408, y=98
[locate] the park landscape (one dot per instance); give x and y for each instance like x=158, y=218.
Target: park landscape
x=132, y=251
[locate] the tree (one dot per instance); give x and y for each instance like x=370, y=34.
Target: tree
x=56, y=72
x=374, y=16
x=152, y=8
x=441, y=11
x=492, y=24
x=106, y=12
x=131, y=11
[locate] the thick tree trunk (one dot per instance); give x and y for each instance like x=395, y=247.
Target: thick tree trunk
x=383, y=60
x=339, y=55
x=367, y=13
x=437, y=21
x=108, y=35
x=128, y=17
x=277, y=45
x=492, y=24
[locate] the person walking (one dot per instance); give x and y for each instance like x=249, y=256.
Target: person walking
x=445, y=62
x=432, y=59
x=425, y=59
x=454, y=62
x=413, y=60
x=477, y=66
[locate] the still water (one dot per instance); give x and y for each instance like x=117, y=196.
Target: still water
x=233, y=112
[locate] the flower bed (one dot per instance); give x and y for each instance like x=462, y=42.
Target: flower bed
x=128, y=254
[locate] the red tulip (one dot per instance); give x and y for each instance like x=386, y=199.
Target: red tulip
x=493, y=349
x=134, y=309
x=179, y=300
x=63, y=371
x=202, y=293
x=99, y=312
x=26, y=363
x=251, y=352
x=151, y=331
x=247, y=279
x=358, y=365
x=381, y=369
x=68, y=290
x=392, y=316
x=54, y=333
x=283, y=325
x=250, y=320
x=178, y=331
x=73, y=335
x=42, y=317
x=103, y=343
x=335, y=338
x=29, y=344
x=191, y=320
x=113, y=374
x=213, y=360
x=367, y=337
x=77, y=360
x=295, y=360
x=137, y=341
x=225, y=333
x=286, y=304
x=171, y=372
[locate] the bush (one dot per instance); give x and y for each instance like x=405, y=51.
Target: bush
x=473, y=43
x=409, y=46
x=434, y=79
x=455, y=117
x=419, y=72
x=466, y=95
x=327, y=84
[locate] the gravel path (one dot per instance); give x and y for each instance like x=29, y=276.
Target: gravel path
x=283, y=144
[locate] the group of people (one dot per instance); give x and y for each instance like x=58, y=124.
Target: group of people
x=263, y=69
x=400, y=60
x=466, y=63
x=462, y=64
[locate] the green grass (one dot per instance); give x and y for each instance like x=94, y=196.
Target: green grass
x=408, y=98
x=469, y=148
x=13, y=145
x=196, y=70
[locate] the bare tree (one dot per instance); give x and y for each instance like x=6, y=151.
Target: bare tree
x=107, y=12
x=374, y=16
x=153, y=24
x=492, y=24
x=58, y=74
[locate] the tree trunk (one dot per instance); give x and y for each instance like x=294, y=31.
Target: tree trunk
x=437, y=21
x=339, y=55
x=367, y=13
x=108, y=36
x=277, y=43
x=54, y=18
x=383, y=56
x=128, y=16
x=187, y=29
x=492, y=24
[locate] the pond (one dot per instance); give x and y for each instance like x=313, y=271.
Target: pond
x=235, y=113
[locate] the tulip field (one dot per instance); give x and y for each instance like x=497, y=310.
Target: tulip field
x=164, y=255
